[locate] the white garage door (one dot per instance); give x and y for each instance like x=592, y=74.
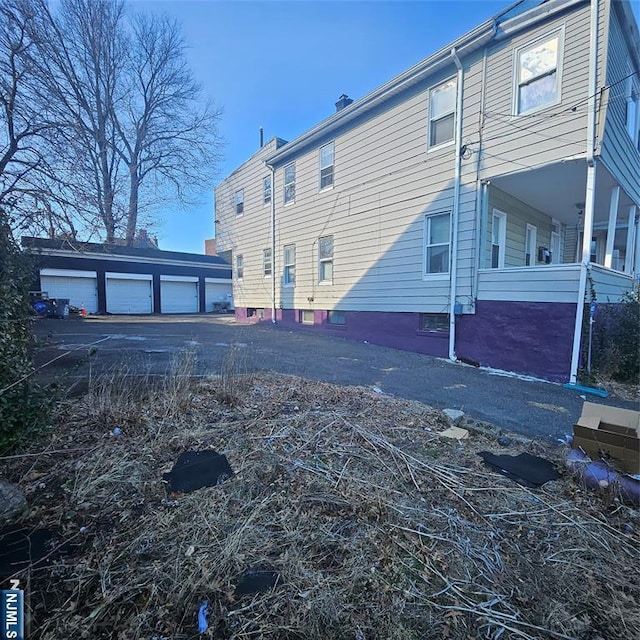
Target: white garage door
x=129, y=294
x=179, y=296
x=81, y=287
x=217, y=292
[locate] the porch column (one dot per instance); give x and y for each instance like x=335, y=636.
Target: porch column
x=630, y=257
x=589, y=206
x=611, y=231
x=636, y=253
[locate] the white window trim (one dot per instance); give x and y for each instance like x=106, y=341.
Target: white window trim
x=451, y=142
x=284, y=185
x=555, y=259
x=559, y=32
x=533, y=230
x=236, y=202
x=502, y=241
x=333, y=167
x=264, y=263
x=632, y=86
x=321, y=260
x=267, y=204
x=238, y=277
x=434, y=276
x=286, y=264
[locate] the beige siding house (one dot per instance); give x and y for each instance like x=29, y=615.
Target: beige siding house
x=465, y=208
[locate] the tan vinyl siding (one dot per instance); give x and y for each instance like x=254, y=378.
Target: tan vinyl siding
x=518, y=215
x=513, y=143
x=619, y=154
x=248, y=234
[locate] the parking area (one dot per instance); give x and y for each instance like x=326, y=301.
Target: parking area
x=150, y=344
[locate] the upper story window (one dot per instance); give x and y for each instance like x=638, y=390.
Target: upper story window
x=325, y=259
x=267, y=263
x=537, y=75
x=442, y=113
x=437, y=229
x=239, y=267
x=239, y=202
x=266, y=190
x=289, y=260
x=633, y=108
x=290, y=183
x=326, y=166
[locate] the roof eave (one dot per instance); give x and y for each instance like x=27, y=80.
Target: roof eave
x=464, y=45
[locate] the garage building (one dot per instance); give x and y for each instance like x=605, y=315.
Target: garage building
x=128, y=280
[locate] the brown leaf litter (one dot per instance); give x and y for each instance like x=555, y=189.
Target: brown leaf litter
x=378, y=527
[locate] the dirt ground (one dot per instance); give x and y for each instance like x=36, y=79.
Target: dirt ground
x=372, y=524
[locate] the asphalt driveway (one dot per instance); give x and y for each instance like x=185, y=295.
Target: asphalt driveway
x=149, y=345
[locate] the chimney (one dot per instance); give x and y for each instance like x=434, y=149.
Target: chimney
x=343, y=101
x=261, y=137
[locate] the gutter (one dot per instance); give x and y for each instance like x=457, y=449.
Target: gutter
x=273, y=242
x=468, y=43
x=590, y=193
x=456, y=209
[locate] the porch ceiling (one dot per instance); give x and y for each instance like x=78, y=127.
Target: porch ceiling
x=556, y=189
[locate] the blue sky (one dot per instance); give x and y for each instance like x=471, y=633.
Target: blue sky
x=282, y=66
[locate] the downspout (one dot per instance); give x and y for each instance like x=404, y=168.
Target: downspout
x=456, y=211
x=590, y=192
x=273, y=243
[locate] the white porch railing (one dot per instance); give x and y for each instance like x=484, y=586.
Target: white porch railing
x=544, y=283
x=610, y=285
x=550, y=283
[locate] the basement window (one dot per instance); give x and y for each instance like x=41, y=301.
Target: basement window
x=336, y=317
x=434, y=322
x=306, y=316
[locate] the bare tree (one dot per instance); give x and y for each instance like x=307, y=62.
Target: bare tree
x=128, y=111
x=165, y=134
x=23, y=117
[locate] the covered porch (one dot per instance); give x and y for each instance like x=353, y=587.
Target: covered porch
x=533, y=235
x=548, y=238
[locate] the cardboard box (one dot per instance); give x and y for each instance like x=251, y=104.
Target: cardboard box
x=609, y=433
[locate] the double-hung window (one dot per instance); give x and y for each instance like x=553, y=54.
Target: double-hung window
x=498, y=238
x=325, y=259
x=537, y=75
x=266, y=190
x=437, y=230
x=632, y=107
x=326, y=166
x=239, y=202
x=290, y=183
x=289, y=261
x=239, y=267
x=267, y=263
x=442, y=113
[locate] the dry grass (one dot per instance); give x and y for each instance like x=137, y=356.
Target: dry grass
x=380, y=528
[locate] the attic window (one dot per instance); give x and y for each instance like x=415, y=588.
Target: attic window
x=537, y=76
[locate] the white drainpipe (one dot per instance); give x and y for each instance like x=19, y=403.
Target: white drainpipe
x=590, y=192
x=455, y=212
x=273, y=243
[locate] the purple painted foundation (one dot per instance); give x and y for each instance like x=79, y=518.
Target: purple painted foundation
x=529, y=338
x=535, y=338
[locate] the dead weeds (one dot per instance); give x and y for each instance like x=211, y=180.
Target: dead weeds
x=379, y=527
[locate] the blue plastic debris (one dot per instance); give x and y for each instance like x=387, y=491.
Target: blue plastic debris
x=202, y=616
x=592, y=390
